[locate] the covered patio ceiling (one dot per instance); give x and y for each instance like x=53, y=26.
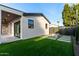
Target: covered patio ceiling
x=8, y=17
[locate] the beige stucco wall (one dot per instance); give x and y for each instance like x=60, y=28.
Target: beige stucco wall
x=39, y=27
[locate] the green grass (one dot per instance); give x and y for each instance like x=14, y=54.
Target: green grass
x=37, y=46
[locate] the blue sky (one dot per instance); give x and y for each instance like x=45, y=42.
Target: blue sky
x=53, y=11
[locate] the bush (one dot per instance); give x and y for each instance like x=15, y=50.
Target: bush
x=67, y=31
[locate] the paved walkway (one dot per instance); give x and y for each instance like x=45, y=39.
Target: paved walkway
x=64, y=38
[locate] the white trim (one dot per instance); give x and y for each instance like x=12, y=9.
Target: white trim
x=12, y=29
x=21, y=32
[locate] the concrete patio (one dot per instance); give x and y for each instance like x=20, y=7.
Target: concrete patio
x=8, y=38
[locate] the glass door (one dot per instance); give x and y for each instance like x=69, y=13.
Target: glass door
x=17, y=29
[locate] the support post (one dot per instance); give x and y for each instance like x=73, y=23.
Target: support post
x=77, y=38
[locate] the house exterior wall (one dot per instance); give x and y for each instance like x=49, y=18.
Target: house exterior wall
x=39, y=27
x=7, y=9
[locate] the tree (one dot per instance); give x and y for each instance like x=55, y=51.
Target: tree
x=66, y=15
x=69, y=14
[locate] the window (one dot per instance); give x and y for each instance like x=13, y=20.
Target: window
x=30, y=23
x=46, y=26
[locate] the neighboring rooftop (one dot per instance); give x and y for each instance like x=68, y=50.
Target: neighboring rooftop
x=53, y=25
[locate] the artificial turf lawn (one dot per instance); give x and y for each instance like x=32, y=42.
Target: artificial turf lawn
x=37, y=46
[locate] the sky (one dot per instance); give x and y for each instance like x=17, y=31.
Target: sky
x=53, y=11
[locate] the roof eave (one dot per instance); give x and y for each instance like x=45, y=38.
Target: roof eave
x=36, y=14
